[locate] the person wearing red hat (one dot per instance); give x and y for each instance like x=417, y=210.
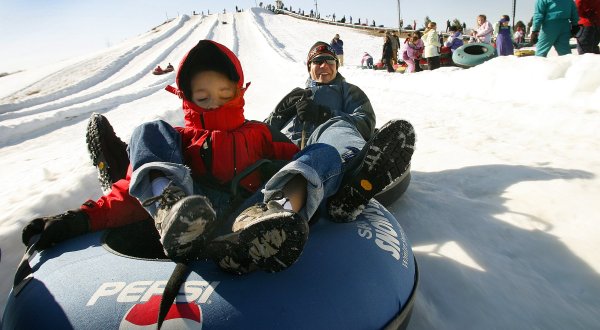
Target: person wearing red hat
x=331, y=111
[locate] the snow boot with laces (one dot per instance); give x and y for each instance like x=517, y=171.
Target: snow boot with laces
x=265, y=236
x=381, y=161
x=183, y=222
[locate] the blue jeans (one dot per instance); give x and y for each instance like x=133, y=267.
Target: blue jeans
x=157, y=146
x=322, y=163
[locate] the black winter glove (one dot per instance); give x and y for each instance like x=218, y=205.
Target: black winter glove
x=286, y=108
x=309, y=111
x=56, y=228
x=575, y=30
x=287, y=105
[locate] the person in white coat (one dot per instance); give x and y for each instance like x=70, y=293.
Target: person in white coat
x=431, y=40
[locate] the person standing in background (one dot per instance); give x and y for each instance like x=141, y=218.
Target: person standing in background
x=519, y=35
x=432, y=43
x=553, y=21
x=455, y=39
x=395, y=45
x=420, y=47
x=589, y=18
x=338, y=47
x=410, y=54
x=504, y=41
x=484, y=30
x=386, y=55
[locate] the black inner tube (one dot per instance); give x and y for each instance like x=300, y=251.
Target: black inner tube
x=476, y=50
x=138, y=240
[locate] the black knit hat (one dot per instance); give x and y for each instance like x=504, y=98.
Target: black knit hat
x=321, y=50
x=205, y=56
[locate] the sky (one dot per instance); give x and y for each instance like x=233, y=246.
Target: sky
x=502, y=211
x=37, y=32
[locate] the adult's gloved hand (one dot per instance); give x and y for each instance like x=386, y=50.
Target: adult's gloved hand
x=287, y=105
x=56, y=228
x=309, y=111
x=575, y=29
x=534, y=37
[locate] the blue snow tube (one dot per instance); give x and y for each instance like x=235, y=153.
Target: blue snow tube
x=473, y=54
x=359, y=275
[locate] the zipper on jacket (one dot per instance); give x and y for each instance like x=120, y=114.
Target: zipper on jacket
x=202, y=120
x=206, y=155
x=234, y=158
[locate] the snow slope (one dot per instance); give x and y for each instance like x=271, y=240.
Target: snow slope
x=502, y=210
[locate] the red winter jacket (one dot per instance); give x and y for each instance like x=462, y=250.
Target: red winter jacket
x=217, y=145
x=589, y=12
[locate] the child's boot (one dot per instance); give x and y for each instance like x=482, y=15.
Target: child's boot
x=183, y=222
x=265, y=236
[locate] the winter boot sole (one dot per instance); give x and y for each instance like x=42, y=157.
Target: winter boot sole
x=187, y=228
x=272, y=244
x=386, y=158
x=276, y=243
x=227, y=253
x=107, y=152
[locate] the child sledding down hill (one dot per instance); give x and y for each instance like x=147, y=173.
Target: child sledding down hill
x=179, y=174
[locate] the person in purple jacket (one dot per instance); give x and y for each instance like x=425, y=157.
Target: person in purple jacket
x=455, y=39
x=338, y=47
x=504, y=41
x=410, y=53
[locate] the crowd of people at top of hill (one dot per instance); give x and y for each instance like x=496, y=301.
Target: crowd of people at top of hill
x=553, y=24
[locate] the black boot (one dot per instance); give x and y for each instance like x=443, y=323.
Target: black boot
x=184, y=223
x=107, y=151
x=265, y=236
x=382, y=160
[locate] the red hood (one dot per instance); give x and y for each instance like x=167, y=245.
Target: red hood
x=228, y=116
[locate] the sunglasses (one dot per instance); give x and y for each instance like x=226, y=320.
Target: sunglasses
x=320, y=61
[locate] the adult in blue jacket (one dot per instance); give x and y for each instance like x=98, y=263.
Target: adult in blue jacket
x=552, y=24
x=338, y=47
x=333, y=112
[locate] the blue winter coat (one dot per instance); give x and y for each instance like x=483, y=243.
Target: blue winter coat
x=345, y=101
x=338, y=46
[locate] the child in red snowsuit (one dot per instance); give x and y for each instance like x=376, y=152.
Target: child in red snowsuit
x=216, y=143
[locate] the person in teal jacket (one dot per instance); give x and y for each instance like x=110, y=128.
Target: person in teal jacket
x=553, y=21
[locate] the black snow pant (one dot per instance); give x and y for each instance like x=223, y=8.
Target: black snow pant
x=433, y=63
x=388, y=63
x=588, y=40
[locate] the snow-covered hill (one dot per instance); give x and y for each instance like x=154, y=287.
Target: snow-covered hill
x=502, y=210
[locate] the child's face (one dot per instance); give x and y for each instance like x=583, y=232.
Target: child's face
x=211, y=89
